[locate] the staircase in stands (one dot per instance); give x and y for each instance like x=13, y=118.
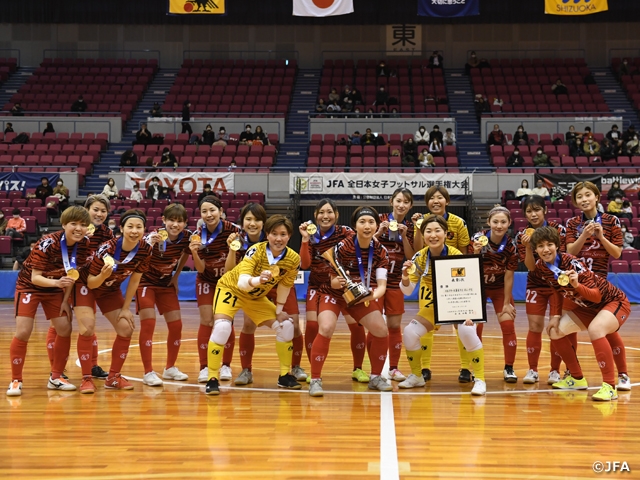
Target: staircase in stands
x=13, y=83
x=615, y=97
x=110, y=160
x=472, y=152
x=293, y=153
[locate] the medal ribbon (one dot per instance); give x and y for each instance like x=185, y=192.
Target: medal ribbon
x=270, y=257
x=360, y=266
x=163, y=246
x=445, y=252
x=246, y=243
x=68, y=263
x=598, y=219
x=128, y=258
x=554, y=267
x=214, y=235
x=316, y=238
x=394, y=236
x=503, y=244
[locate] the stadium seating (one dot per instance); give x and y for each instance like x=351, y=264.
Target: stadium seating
x=7, y=67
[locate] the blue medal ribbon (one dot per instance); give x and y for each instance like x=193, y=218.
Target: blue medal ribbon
x=68, y=263
x=585, y=221
x=316, y=238
x=394, y=236
x=246, y=243
x=273, y=260
x=502, y=246
x=128, y=258
x=163, y=246
x=360, y=266
x=554, y=267
x=214, y=235
x=445, y=252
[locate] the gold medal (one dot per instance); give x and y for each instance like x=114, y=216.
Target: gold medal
x=196, y=238
x=419, y=222
x=412, y=269
x=108, y=260
x=73, y=273
x=393, y=225
x=235, y=245
x=275, y=270
x=563, y=279
x=366, y=304
x=483, y=240
x=91, y=229
x=529, y=232
x=163, y=234
x=311, y=229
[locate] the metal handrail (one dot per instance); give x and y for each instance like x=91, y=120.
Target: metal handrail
x=241, y=54
x=11, y=56
x=358, y=54
x=528, y=53
x=101, y=53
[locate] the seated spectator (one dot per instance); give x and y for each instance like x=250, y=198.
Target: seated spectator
x=481, y=106
x=49, y=128
x=591, y=147
x=571, y=135
x=628, y=240
x=79, y=105
x=3, y=223
x=613, y=135
x=633, y=146
x=383, y=113
x=449, y=137
x=9, y=128
x=164, y=194
x=484, y=63
x=496, y=137
x=144, y=136
x=153, y=191
x=16, y=225
x=156, y=111
x=356, y=97
x=382, y=70
x=472, y=63
x=136, y=194
x=205, y=192
x=606, y=150
x=620, y=148
x=615, y=191
x=355, y=138
x=615, y=208
x=222, y=138
x=368, y=138
x=394, y=113
x=421, y=137
x=113, y=226
x=168, y=159
x=559, y=88
x=541, y=159
x=629, y=134
x=624, y=68
x=370, y=113
x=524, y=190
x=436, y=133
x=232, y=165
x=110, y=189
x=346, y=100
x=426, y=159
x=62, y=193
x=497, y=102
x=246, y=137
x=334, y=95
x=23, y=254
x=260, y=137
x=435, y=60
x=150, y=166
x=515, y=159
x=436, y=148
x=587, y=134
x=333, y=107
x=521, y=137
x=44, y=190
x=382, y=97
x=357, y=113
x=410, y=149
x=320, y=106
x=576, y=149
x=541, y=190
x=128, y=159
x=208, y=136
x=17, y=110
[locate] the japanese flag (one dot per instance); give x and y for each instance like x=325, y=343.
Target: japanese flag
x=321, y=8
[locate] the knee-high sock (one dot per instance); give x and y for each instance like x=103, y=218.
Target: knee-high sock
x=247, y=346
x=119, y=354
x=509, y=341
x=60, y=355
x=534, y=345
x=284, y=351
x=147, y=327
x=214, y=358
x=395, y=346
x=556, y=358
x=568, y=354
x=17, y=352
x=619, y=354
x=94, y=350
x=573, y=338
x=319, y=352
x=378, y=353
x=51, y=340
x=174, y=340
x=426, y=345
x=476, y=361
x=85, y=351
x=358, y=344
x=309, y=336
x=229, y=347
x=464, y=358
x=415, y=361
x=298, y=346
x=604, y=357
x=204, y=332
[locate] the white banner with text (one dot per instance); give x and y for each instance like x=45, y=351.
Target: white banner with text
x=192, y=182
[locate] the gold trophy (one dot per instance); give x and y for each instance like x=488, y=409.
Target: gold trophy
x=353, y=292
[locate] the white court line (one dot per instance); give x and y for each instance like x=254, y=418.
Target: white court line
x=389, y=469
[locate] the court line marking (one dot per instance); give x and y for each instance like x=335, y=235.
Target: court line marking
x=389, y=468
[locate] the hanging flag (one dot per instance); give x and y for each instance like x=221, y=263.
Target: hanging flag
x=321, y=8
x=196, y=7
x=448, y=8
x=575, y=7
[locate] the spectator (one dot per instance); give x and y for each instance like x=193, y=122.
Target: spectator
x=79, y=106
x=497, y=102
x=587, y=134
x=128, y=159
x=410, y=149
x=168, y=159
x=615, y=208
x=320, y=106
x=615, y=191
x=23, y=254
x=496, y=137
x=356, y=113
x=576, y=149
x=260, y=136
x=620, y=148
x=246, y=137
x=62, y=193
x=633, y=146
x=17, y=110
x=208, y=137
x=421, y=137
x=144, y=136
x=355, y=138
x=9, y=128
x=520, y=137
x=515, y=159
x=571, y=135
x=541, y=190
x=613, y=135
x=113, y=226
x=436, y=133
x=205, y=192
x=606, y=150
x=334, y=95
x=154, y=189
x=484, y=63
x=591, y=147
x=472, y=63
x=435, y=60
x=628, y=240
x=232, y=165
x=150, y=166
x=382, y=97
x=382, y=70
x=624, y=69
x=49, y=128
x=186, y=117
x=370, y=113
x=156, y=111
x=3, y=223
x=394, y=113
x=449, y=137
x=136, y=194
x=44, y=190
x=629, y=134
x=110, y=189
x=541, y=159
x=435, y=148
x=481, y=106
x=383, y=113
x=559, y=88
x=368, y=138
x=16, y=225
x=222, y=137
x=333, y=107
x=164, y=194
x=346, y=100
x=356, y=97
x=524, y=190
x=426, y=159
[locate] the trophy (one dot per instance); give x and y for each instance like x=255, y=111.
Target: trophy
x=353, y=292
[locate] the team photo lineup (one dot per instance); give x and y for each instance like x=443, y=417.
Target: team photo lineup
x=360, y=269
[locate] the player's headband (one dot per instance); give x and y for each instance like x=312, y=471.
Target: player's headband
x=365, y=212
x=128, y=217
x=499, y=209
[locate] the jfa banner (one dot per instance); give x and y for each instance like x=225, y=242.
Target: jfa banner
x=20, y=182
x=183, y=182
x=448, y=8
x=575, y=7
x=191, y=7
x=375, y=186
x=321, y=8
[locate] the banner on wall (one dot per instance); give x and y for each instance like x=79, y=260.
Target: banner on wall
x=374, y=186
x=575, y=7
x=183, y=182
x=196, y=7
x=321, y=8
x=630, y=184
x=20, y=181
x=404, y=38
x=560, y=186
x=448, y=8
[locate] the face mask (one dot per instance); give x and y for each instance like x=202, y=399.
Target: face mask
x=539, y=152
x=248, y=129
x=59, y=184
x=16, y=216
x=516, y=152
x=111, y=227
x=135, y=189
x=618, y=200
x=154, y=183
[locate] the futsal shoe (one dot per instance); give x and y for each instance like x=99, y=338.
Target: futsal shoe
x=412, y=381
x=60, y=384
x=299, y=373
x=174, y=374
x=288, y=381
x=380, y=384
x=213, y=387
x=98, y=372
x=624, y=383
x=225, y=373
x=479, y=387
x=396, y=375
x=245, y=377
x=554, y=377
x=360, y=375
x=203, y=376
x=426, y=374
x=465, y=376
x=531, y=377
x=152, y=379
x=315, y=388
x=509, y=375
x=87, y=386
x=605, y=394
x=15, y=389
x=118, y=382
x=570, y=383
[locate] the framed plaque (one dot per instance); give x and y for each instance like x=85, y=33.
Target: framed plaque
x=458, y=289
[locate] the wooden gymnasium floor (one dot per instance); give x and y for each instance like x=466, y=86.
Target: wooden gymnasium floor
x=175, y=431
